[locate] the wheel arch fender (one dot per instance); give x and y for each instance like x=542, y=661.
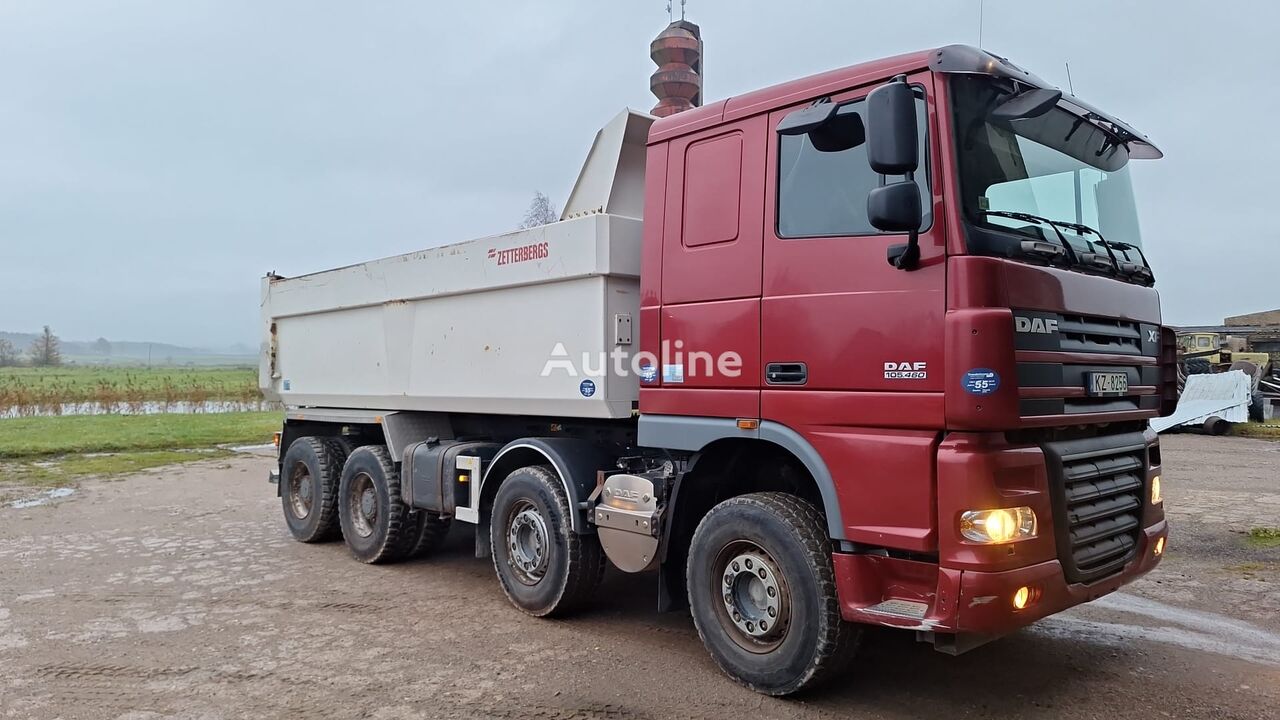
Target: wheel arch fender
x=709, y=439
x=808, y=455
x=576, y=462
x=697, y=434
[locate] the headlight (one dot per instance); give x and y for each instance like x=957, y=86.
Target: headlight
x=998, y=526
x=1156, y=497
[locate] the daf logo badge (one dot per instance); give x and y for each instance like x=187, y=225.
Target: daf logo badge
x=1043, y=326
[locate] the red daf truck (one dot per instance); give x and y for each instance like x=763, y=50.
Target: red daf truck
x=883, y=348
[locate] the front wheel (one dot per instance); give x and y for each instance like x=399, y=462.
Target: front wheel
x=762, y=594
x=545, y=568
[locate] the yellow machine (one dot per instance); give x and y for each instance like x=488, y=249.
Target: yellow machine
x=1213, y=348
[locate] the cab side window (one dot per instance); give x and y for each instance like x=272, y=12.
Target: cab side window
x=821, y=194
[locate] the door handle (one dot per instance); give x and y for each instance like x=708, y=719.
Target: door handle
x=786, y=374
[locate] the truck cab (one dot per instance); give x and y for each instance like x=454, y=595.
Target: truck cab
x=1012, y=365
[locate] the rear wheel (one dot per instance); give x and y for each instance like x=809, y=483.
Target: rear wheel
x=762, y=594
x=377, y=525
x=431, y=532
x=545, y=568
x=309, y=480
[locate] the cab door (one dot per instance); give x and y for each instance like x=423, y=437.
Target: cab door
x=852, y=346
x=711, y=258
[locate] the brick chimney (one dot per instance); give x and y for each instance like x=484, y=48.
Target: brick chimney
x=677, y=82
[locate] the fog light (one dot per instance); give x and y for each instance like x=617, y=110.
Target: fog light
x=1156, y=497
x=1159, y=547
x=998, y=526
x=1022, y=598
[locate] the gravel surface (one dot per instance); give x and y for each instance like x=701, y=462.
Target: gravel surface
x=178, y=593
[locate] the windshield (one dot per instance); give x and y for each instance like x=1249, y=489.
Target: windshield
x=1055, y=166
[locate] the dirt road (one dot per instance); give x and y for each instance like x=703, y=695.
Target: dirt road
x=178, y=593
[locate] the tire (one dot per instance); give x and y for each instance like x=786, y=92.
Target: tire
x=768, y=557
x=1199, y=366
x=309, y=478
x=1255, y=406
x=544, y=567
x=431, y=532
x=377, y=525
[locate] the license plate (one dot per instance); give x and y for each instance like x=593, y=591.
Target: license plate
x=1102, y=384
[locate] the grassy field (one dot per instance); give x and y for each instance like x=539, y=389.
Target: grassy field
x=46, y=391
x=38, y=437
x=1266, y=431
x=57, y=451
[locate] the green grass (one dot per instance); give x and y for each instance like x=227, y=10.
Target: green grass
x=1266, y=431
x=43, y=391
x=154, y=379
x=44, y=437
x=62, y=471
x=1264, y=537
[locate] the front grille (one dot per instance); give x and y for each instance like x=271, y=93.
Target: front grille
x=1051, y=332
x=1099, y=487
x=1080, y=333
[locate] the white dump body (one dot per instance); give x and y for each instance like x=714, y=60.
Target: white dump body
x=465, y=328
x=475, y=326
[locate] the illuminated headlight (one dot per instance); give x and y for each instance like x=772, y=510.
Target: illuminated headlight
x=1156, y=497
x=998, y=526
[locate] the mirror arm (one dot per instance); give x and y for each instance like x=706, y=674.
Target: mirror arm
x=907, y=256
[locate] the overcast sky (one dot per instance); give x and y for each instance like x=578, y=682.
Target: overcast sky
x=157, y=157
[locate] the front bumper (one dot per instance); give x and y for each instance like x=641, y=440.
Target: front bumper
x=925, y=597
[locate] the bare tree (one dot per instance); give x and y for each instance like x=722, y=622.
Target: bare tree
x=46, y=350
x=8, y=353
x=102, y=346
x=541, y=212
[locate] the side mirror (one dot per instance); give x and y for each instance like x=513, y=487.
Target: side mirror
x=830, y=129
x=1027, y=104
x=892, y=141
x=895, y=207
x=893, y=149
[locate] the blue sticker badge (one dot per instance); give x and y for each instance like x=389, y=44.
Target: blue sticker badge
x=648, y=373
x=981, y=381
x=587, y=388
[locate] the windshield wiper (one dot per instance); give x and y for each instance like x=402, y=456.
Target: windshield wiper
x=1044, y=250
x=1108, y=263
x=1128, y=268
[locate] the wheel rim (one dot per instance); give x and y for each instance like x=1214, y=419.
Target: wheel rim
x=528, y=543
x=363, y=500
x=754, y=601
x=301, y=491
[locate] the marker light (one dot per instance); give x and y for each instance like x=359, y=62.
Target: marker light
x=1004, y=525
x=1156, y=497
x=1159, y=547
x=1021, y=598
